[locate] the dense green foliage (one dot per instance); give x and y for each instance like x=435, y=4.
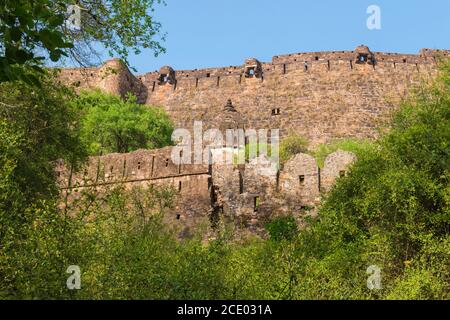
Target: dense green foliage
x=33, y=31
x=37, y=127
x=391, y=211
x=111, y=124
x=282, y=228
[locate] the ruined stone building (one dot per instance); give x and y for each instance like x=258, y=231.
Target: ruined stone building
x=319, y=95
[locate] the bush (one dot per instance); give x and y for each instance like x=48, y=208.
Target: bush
x=110, y=124
x=282, y=228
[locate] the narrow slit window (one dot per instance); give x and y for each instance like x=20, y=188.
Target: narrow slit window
x=301, y=179
x=179, y=186
x=256, y=203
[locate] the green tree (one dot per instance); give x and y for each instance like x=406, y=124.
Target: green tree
x=110, y=124
x=31, y=32
x=37, y=127
x=282, y=228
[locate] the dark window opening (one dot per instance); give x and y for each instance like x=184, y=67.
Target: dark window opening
x=317, y=58
x=276, y=111
x=139, y=166
x=306, y=66
x=178, y=216
x=208, y=75
x=341, y=173
x=301, y=179
x=404, y=60
x=111, y=168
x=284, y=68
x=163, y=78
x=167, y=162
x=256, y=204
x=179, y=186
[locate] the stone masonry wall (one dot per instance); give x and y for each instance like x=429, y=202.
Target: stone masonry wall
x=144, y=168
x=247, y=194
x=319, y=95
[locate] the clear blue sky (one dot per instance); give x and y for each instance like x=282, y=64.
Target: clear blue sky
x=212, y=33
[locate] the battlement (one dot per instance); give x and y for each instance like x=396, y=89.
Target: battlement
x=88, y=77
x=426, y=56
x=141, y=165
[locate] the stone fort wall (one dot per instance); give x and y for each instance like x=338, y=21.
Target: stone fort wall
x=318, y=95
x=246, y=194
